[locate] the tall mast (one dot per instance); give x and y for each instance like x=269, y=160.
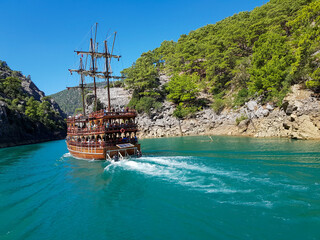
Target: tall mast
x=93, y=72
x=82, y=89
x=107, y=67
x=107, y=74
x=92, y=46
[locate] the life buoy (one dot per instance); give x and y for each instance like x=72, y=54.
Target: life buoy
x=122, y=130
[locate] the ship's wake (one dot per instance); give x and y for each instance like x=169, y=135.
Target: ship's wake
x=193, y=174
x=183, y=171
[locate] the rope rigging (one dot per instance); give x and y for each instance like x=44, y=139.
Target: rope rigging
x=96, y=64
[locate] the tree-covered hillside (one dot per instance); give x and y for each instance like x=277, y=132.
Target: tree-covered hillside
x=251, y=54
x=15, y=95
x=70, y=100
x=26, y=114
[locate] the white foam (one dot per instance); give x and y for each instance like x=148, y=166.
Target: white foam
x=148, y=168
x=66, y=155
x=267, y=181
x=181, y=173
x=227, y=190
x=264, y=203
x=168, y=161
x=111, y=164
x=171, y=162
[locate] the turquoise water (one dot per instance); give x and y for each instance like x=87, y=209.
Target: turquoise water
x=182, y=188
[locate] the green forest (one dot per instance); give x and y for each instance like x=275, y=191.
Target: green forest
x=70, y=100
x=248, y=55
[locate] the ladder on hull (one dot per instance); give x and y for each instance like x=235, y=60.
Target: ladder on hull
x=108, y=157
x=119, y=154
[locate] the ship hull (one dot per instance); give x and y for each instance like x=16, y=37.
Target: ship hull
x=102, y=153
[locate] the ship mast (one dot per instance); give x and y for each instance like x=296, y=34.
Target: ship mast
x=82, y=89
x=93, y=71
x=82, y=85
x=107, y=76
x=107, y=67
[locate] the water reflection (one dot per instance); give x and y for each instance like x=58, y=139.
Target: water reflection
x=12, y=155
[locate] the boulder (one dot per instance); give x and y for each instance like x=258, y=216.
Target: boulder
x=269, y=107
x=290, y=109
x=243, y=126
x=261, y=112
x=252, y=105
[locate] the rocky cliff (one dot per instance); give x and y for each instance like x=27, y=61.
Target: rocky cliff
x=297, y=118
x=119, y=98
x=16, y=128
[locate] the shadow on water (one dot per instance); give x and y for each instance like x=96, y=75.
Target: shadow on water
x=81, y=170
x=9, y=156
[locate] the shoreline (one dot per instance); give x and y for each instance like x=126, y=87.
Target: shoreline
x=29, y=142
x=226, y=135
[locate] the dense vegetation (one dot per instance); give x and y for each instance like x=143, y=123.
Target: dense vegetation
x=68, y=100
x=257, y=53
x=18, y=101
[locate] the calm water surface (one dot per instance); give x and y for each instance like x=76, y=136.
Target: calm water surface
x=182, y=188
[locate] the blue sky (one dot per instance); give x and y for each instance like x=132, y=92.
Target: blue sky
x=38, y=37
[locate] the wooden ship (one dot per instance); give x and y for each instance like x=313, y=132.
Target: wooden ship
x=107, y=133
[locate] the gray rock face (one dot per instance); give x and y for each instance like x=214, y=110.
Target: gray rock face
x=31, y=89
x=300, y=119
x=57, y=108
x=119, y=97
x=16, y=129
x=269, y=107
x=243, y=125
x=27, y=85
x=303, y=122
x=164, y=78
x=261, y=112
x=290, y=109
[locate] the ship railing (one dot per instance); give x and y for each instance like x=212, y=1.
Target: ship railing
x=115, y=142
x=77, y=118
x=111, y=142
x=82, y=144
x=102, y=113
x=108, y=157
x=128, y=127
x=86, y=130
